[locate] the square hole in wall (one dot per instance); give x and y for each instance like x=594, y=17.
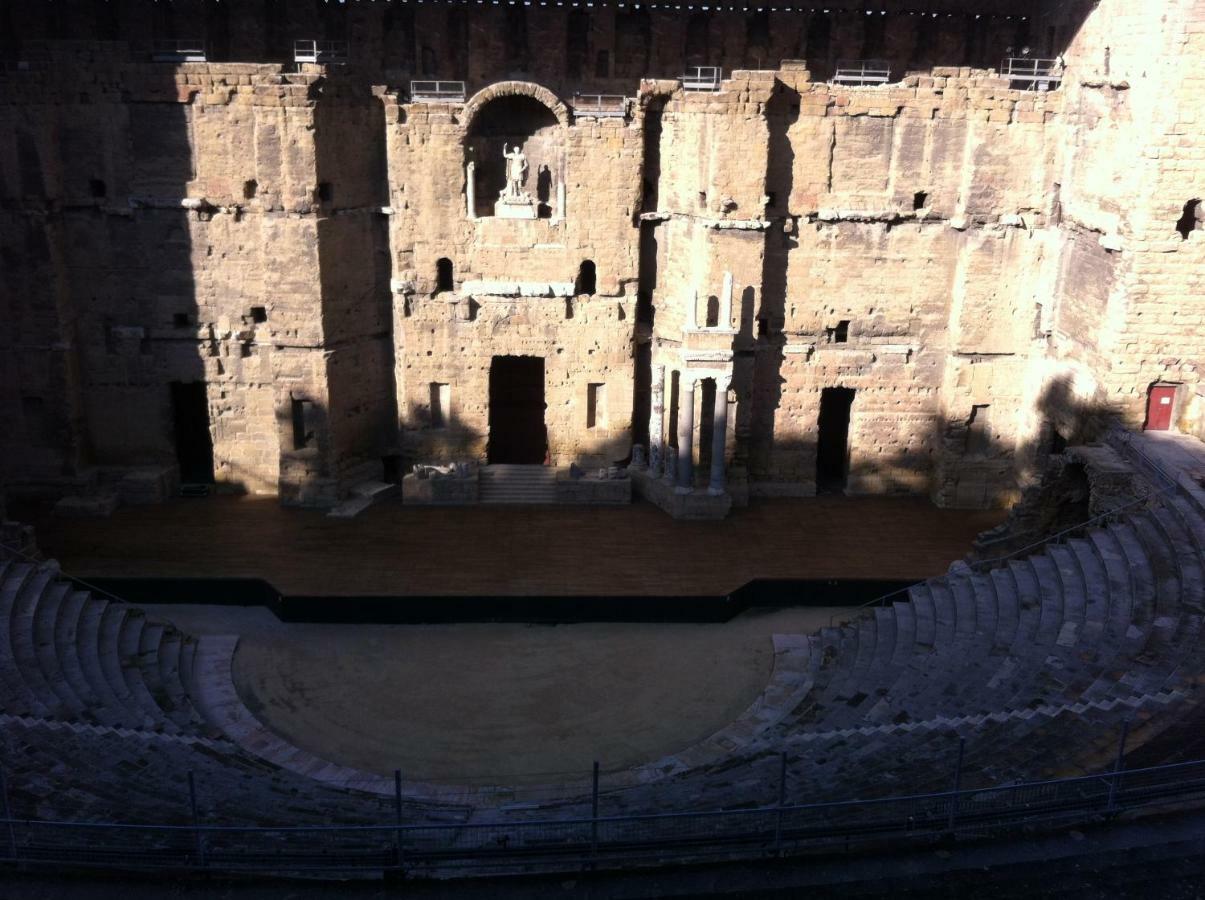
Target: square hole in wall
x=259, y=314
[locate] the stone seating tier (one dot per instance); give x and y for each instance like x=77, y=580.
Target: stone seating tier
x=1036, y=663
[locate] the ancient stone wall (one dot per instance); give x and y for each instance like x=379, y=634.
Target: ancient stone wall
x=983, y=266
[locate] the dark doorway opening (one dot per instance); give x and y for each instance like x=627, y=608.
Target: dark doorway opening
x=190, y=420
x=832, y=447
x=517, y=433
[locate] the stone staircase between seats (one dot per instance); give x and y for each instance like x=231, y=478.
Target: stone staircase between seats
x=507, y=484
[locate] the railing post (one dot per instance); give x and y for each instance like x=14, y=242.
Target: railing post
x=196, y=819
x=782, y=799
x=10, y=828
x=594, y=814
x=1115, y=781
x=399, y=847
x=962, y=743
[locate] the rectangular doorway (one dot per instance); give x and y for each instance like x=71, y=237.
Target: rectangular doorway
x=190, y=425
x=832, y=445
x=517, y=433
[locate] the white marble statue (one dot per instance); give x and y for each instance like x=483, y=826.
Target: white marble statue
x=516, y=171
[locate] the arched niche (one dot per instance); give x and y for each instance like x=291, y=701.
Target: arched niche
x=512, y=116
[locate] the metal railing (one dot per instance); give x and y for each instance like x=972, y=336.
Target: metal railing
x=702, y=78
x=599, y=105
x=862, y=72
x=183, y=50
x=1032, y=74
x=327, y=52
x=544, y=844
x=437, y=91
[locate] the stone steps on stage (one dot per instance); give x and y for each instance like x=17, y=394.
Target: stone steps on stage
x=514, y=484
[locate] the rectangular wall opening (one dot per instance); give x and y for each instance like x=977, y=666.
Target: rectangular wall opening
x=517, y=433
x=596, y=406
x=832, y=445
x=190, y=423
x=441, y=404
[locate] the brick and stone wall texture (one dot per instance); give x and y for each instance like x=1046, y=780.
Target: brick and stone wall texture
x=984, y=266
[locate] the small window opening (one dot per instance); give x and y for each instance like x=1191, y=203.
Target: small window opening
x=441, y=402
x=1193, y=218
x=920, y=200
x=587, y=279
x=259, y=314
x=181, y=320
x=443, y=274
x=713, y=311
x=841, y=332
x=97, y=188
x=251, y=186
x=303, y=432
x=702, y=198
x=596, y=406
x=326, y=193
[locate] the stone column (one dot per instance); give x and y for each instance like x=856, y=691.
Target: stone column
x=470, y=189
x=560, y=198
x=719, y=435
x=656, y=417
x=686, y=433
x=725, y=319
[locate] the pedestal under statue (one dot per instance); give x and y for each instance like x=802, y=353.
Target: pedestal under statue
x=514, y=202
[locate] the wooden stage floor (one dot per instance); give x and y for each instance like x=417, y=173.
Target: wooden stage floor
x=632, y=550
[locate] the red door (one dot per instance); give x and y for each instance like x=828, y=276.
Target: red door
x=1159, y=408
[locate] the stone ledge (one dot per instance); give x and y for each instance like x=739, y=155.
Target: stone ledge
x=698, y=504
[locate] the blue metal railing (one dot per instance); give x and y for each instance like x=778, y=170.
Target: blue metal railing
x=552, y=845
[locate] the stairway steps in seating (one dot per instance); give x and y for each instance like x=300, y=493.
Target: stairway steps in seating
x=177, y=705
x=1029, y=605
x=130, y=644
x=149, y=642
x=1163, y=565
x=21, y=625
x=1181, y=539
x=1050, y=628
x=1008, y=611
x=108, y=651
x=1072, y=582
x=926, y=615
x=947, y=616
x=1095, y=579
x=66, y=648
x=1142, y=576
x=966, y=623
x=46, y=621
x=986, y=615
x=1193, y=519
x=1120, y=587
x=94, y=618
x=14, y=697
x=905, y=615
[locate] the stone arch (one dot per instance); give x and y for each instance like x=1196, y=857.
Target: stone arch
x=500, y=89
x=500, y=118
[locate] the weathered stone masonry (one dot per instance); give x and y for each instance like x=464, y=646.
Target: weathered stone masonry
x=984, y=267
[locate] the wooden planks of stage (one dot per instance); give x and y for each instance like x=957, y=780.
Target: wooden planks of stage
x=395, y=549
